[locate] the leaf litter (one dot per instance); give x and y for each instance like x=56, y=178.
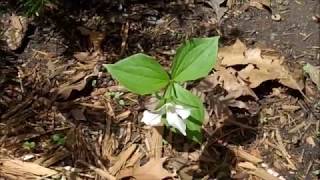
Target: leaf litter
x=112, y=148
x=260, y=68
x=314, y=73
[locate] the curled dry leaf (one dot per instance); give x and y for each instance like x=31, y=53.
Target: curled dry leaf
x=226, y=78
x=80, y=80
x=65, y=90
x=152, y=170
x=216, y=5
x=87, y=57
x=16, y=31
x=260, y=4
x=260, y=68
x=314, y=73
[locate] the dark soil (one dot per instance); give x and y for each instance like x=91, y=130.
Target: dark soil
x=31, y=110
x=296, y=35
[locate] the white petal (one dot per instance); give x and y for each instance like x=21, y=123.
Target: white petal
x=175, y=121
x=182, y=112
x=151, y=119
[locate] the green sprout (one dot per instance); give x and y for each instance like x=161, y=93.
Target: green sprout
x=29, y=145
x=58, y=139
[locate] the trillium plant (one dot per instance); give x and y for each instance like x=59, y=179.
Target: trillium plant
x=177, y=107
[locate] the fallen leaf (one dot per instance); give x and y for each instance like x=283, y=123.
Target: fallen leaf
x=16, y=31
x=152, y=170
x=310, y=141
x=260, y=68
x=314, y=73
x=87, y=57
x=65, y=90
x=260, y=4
x=227, y=79
x=216, y=5
x=232, y=55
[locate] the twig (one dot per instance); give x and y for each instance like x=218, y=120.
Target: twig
x=92, y=106
x=124, y=33
x=283, y=150
x=100, y=172
x=307, y=36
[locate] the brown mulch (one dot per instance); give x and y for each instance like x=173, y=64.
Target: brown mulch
x=56, y=86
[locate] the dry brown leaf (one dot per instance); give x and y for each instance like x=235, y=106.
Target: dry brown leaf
x=64, y=91
x=310, y=140
x=87, y=57
x=16, y=31
x=231, y=55
x=152, y=170
x=314, y=73
x=260, y=68
x=260, y=4
x=227, y=79
x=216, y=6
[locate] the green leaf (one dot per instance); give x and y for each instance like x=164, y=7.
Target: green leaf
x=195, y=59
x=139, y=73
x=29, y=145
x=169, y=93
x=58, y=139
x=194, y=122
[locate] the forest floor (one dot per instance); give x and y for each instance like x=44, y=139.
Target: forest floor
x=63, y=116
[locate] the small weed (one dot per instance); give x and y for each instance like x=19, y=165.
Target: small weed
x=116, y=96
x=29, y=145
x=34, y=7
x=58, y=139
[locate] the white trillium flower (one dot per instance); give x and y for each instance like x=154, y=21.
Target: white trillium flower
x=151, y=119
x=176, y=116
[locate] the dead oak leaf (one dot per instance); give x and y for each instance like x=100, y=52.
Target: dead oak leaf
x=226, y=78
x=271, y=68
x=260, y=68
x=216, y=5
x=232, y=55
x=65, y=90
x=89, y=57
x=152, y=170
